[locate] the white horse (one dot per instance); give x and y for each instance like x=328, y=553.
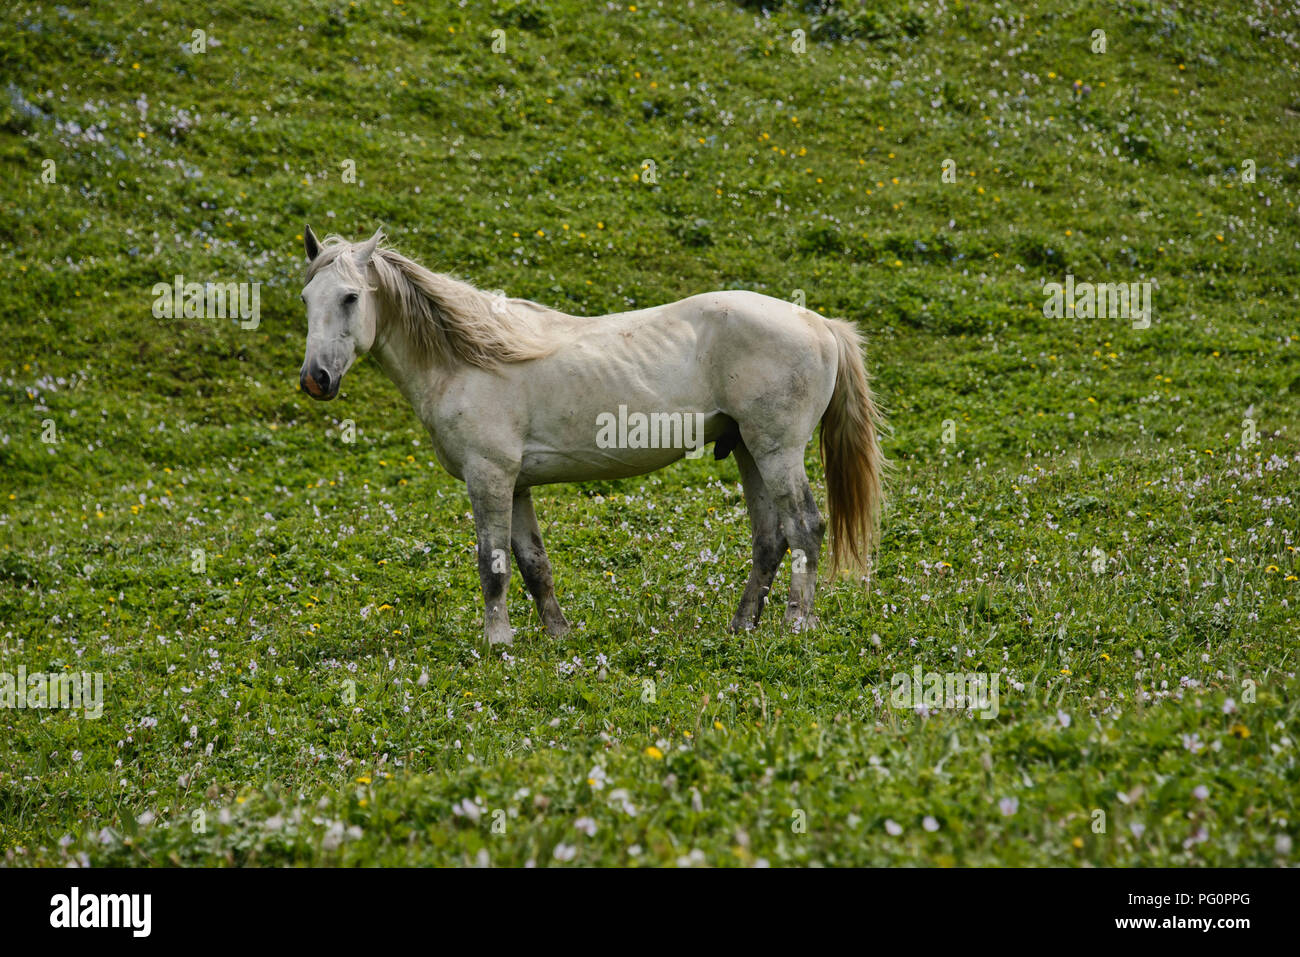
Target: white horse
x=516, y=395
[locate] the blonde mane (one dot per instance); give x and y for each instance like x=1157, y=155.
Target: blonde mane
x=442, y=318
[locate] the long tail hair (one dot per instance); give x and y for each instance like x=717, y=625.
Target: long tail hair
x=855, y=465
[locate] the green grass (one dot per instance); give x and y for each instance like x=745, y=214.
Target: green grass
x=314, y=694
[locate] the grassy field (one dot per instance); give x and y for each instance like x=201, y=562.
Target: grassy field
x=286, y=623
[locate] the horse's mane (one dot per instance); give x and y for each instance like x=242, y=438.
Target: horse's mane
x=442, y=318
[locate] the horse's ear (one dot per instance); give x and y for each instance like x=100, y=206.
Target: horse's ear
x=309, y=240
x=367, y=249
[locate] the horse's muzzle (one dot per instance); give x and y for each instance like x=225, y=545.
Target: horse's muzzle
x=318, y=383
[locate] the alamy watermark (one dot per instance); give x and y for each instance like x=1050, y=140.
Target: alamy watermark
x=1102, y=300
x=209, y=300
x=653, y=430
x=65, y=691
x=946, y=689
x=133, y=912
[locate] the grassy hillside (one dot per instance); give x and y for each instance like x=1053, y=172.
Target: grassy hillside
x=286, y=622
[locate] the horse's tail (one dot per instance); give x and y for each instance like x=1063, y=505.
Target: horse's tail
x=854, y=462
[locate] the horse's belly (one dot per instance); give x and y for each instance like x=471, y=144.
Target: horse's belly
x=621, y=445
x=545, y=468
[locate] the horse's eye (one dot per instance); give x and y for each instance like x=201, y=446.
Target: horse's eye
x=350, y=298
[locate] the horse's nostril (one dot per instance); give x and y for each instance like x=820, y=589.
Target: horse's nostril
x=323, y=380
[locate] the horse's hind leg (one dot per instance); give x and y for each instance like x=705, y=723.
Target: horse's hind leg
x=530, y=554
x=801, y=526
x=769, y=544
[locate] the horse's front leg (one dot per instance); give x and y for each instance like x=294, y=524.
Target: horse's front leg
x=530, y=553
x=491, y=494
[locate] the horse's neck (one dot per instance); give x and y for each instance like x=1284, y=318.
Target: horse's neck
x=412, y=375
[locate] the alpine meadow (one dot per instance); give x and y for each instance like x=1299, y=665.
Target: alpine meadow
x=239, y=627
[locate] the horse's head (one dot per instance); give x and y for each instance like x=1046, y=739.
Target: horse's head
x=340, y=312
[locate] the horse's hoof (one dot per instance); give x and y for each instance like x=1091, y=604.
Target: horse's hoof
x=558, y=629
x=798, y=623
x=499, y=636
